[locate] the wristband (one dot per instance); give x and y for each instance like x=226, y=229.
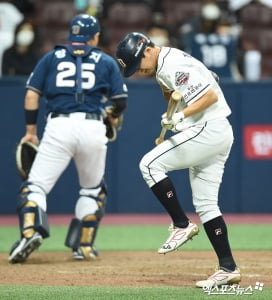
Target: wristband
x=31, y=116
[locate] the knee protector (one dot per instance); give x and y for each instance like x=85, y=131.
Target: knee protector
x=92, y=202
x=101, y=202
x=82, y=232
x=31, y=217
x=31, y=192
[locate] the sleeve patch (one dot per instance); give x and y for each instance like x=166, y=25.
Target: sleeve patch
x=181, y=78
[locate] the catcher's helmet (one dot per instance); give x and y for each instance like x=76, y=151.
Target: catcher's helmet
x=130, y=52
x=83, y=27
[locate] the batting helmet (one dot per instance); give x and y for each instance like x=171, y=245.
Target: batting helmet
x=83, y=27
x=130, y=52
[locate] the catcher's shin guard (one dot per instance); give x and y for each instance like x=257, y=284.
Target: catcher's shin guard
x=73, y=235
x=32, y=218
x=81, y=232
x=81, y=236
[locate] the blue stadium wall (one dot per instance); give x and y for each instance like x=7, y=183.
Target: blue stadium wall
x=247, y=184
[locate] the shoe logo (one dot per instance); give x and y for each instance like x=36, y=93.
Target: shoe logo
x=218, y=231
x=169, y=194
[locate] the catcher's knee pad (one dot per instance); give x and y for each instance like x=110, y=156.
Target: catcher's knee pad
x=101, y=202
x=92, y=202
x=31, y=192
x=82, y=232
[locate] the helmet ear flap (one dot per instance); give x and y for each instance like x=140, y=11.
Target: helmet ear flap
x=83, y=27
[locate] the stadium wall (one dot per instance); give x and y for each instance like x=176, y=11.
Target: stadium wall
x=246, y=186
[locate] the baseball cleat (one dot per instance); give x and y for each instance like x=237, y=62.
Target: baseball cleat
x=23, y=248
x=178, y=237
x=221, y=277
x=85, y=253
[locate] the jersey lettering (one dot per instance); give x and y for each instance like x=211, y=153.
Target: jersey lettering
x=95, y=56
x=67, y=69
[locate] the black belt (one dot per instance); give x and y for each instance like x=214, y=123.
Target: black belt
x=88, y=116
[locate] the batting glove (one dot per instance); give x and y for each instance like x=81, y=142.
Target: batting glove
x=170, y=124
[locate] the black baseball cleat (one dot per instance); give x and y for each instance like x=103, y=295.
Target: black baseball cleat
x=23, y=248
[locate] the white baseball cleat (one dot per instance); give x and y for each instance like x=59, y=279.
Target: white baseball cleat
x=221, y=277
x=23, y=248
x=178, y=237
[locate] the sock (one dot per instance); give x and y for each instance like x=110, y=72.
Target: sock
x=217, y=233
x=166, y=194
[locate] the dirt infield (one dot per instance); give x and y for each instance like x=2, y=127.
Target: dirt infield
x=133, y=268
x=129, y=268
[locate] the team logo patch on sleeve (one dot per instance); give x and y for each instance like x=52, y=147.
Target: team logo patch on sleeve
x=60, y=53
x=181, y=78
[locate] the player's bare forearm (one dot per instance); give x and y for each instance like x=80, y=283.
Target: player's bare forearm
x=32, y=100
x=201, y=104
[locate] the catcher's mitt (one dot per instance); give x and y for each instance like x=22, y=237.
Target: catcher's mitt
x=25, y=155
x=111, y=130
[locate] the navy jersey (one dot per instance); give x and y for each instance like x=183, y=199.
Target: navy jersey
x=217, y=52
x=56, y=78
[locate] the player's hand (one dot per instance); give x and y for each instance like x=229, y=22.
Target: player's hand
x=33, y=138
x=167, y=124
x=170, y=124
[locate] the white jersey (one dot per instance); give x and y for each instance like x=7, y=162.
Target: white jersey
x=177, y=70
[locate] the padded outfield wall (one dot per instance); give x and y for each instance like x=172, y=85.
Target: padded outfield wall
x=247, y=184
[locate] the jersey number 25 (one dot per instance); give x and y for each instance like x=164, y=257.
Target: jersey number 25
x=67, y=69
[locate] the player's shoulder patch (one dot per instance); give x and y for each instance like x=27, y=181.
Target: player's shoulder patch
x=181, y=78
x=60, y=53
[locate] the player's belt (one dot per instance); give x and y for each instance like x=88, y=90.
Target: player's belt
x=87, y=116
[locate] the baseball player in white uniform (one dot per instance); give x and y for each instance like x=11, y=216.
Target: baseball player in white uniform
x=201, y=143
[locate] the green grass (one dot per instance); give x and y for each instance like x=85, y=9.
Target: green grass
x=116, y=238
x=118, y=293
x=128, y=237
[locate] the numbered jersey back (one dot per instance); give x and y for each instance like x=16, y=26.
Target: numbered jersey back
x=56, y=78
x=216, y=51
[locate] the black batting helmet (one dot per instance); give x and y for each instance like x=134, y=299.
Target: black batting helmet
x=130, y=52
